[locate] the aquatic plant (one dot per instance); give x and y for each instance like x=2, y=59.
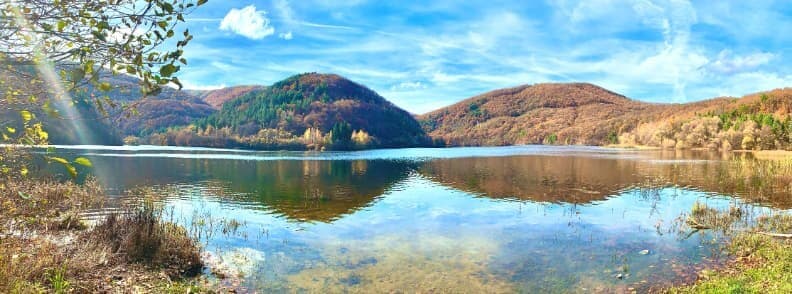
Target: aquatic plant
x=761, y=245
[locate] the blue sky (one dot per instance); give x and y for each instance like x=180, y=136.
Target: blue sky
x=423, y=56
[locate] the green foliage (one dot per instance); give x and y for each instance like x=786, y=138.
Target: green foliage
x=552, y=139
x=613, y=137
x=58, y=281
x=50, y=49
x=319, y=101
x=767, y=273
x=70, y=166
x=759, y=125
x=341, y=135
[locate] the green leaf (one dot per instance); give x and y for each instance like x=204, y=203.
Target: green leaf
x=177, y=82
x=167, y=70
x=77, y=74
x=24, y=195
x=59, y=160
x=83, y=161
x=70, y=168
x=61, y=25
x=26, y=115
x=168, y=7
x=202, y=2
x=105, y=86
x=99, y=36
x=89, y=66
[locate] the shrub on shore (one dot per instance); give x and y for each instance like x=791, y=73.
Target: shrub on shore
x=140, y=235
x=45, y=247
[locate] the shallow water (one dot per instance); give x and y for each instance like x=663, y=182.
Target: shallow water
x=490, y=219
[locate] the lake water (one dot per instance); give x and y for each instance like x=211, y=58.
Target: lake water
x=501, y=219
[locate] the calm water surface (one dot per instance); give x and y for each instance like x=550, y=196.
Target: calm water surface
x=527, y=218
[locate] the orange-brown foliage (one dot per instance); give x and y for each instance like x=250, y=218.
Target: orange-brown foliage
x=580, y=113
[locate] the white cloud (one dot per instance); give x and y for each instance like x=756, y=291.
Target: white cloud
x=656, y=50
x=223, y=66
x=408, y=86
x=247, y=22
x=284, y=10
x=728, y=64
x=191, y=86
x=286, y=36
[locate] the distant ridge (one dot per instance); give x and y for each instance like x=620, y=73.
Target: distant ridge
x=314, y=111
x=217, y=97
x=576, y=113
x=586, y=114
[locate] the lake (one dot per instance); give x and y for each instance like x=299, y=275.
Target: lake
x=489, y=219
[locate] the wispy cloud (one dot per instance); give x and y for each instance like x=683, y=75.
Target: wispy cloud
x=201, y=87
x=727, y=63
x=286, y=36
x=408, y=86
x=422, y=55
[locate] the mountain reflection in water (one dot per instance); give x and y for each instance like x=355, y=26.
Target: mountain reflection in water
x=535, y=219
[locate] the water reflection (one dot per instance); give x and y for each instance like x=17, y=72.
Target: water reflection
x=310, y=190
x=531, y=220
x=583, y=179
x=536, y=178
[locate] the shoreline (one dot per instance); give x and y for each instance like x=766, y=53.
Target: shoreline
x=765, y=154
x=49, y=247
x=760, y=255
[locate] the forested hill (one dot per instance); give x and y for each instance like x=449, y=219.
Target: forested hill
x=579, y=113
x=312, y=110
x=217, y=97
x=103, y=113
x=576, y=113
x=327, y=111
x=146, y=115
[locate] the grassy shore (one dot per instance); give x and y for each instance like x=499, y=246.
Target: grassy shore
x=761, y=245
x=769, y=154
x=45, y=247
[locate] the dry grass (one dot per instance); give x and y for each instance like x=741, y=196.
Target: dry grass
x=46, y=205
x=45, y=247
x=141, y=236
x=703, y=217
